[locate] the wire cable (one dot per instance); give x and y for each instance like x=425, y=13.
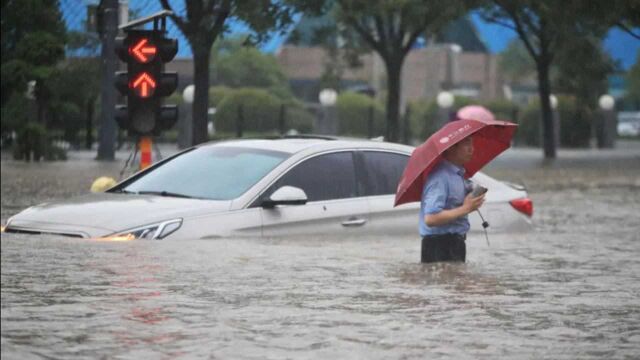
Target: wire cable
x=485, y=225
x=132, y=156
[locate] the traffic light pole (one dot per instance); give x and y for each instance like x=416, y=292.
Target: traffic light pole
x=107, y=129
x=145, y=144
x=145, y=83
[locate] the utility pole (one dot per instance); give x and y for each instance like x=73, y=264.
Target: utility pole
x=109, y=29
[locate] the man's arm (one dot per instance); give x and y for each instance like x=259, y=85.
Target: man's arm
x=446, y=216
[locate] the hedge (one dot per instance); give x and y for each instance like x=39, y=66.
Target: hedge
x=260, y=111
x=354, y=111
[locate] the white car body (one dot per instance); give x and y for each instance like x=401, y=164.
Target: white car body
x=361, y=214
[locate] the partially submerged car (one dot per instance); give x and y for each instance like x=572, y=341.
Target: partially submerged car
x=291, y=186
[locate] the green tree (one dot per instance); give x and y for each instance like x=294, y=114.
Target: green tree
x=633, y=83
x=203, y=21
x=75, y=87
x=33, y=38
x=391, y=28
x=238, y=66
x=623, y=14
x=515, y=63
x=544, y=27
x=586, y=80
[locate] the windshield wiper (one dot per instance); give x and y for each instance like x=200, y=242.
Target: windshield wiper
x=164, y=193
x=123, y=191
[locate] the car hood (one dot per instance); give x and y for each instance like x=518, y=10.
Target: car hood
x=105, y=213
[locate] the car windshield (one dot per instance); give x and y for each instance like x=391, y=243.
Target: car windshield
x=216, y=173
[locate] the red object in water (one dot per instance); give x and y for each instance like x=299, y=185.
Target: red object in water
x=524, y=205
x=490, y=138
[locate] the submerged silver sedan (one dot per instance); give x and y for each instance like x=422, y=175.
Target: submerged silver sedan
x=292, y=186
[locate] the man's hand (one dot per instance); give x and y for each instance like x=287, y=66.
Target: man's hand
x=472, y=203
x=446, y=216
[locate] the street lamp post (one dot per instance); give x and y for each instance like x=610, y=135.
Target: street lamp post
x=184, y=134
x=555, y=120
x=606, y=122
x=326, y=122
x=445, y=101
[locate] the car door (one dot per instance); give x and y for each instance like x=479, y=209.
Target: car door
x=381, y=172
x=334, y=206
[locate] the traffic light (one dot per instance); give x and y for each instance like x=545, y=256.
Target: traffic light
x=145, y=82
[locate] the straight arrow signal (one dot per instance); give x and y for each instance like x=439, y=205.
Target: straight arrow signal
x=141, y=50
x=146, y=84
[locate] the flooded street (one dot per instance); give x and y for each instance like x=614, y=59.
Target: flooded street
x=567, y=290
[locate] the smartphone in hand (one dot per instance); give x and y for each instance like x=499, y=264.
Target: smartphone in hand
x=478, y=190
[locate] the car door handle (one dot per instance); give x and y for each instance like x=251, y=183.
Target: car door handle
x=351, y=222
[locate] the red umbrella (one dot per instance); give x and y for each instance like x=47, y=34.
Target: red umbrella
x=490, y=138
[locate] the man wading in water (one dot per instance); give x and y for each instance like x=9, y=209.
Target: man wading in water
x=446, y=202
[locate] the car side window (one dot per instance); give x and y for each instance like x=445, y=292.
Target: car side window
x=325, y=177
x=382, y=171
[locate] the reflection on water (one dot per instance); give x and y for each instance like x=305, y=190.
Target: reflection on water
x=567, y=290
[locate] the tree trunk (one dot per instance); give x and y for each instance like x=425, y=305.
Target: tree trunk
x=88, y=142
x=544, y=90
x=394, y=68
x=41, y=103
x=201, y=96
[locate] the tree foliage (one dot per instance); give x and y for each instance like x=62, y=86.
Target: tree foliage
x=203, y=21
x=633, y=83
x=545, y=27
x=581, y=70
x=515, y=63
x=236, y=65
x=391, y=28
x=33, y=38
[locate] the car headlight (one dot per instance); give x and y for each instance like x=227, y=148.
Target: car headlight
x=155, y=231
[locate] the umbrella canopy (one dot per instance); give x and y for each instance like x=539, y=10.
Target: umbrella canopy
x=490, y=138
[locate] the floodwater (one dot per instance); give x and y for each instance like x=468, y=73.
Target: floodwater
x=567, y=290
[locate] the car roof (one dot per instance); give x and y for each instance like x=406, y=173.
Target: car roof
x=298, y=144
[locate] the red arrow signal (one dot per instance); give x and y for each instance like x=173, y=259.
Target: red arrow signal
x=143, y=51
x=144, y=85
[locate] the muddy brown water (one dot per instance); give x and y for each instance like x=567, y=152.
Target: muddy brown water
x=569, y=289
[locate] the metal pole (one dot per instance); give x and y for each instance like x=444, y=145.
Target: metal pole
x=107, y=136
x=282, y=118
x=370, y=122
x=145, y=144
x=405, y=125
x=89, y=125
x=240, y=121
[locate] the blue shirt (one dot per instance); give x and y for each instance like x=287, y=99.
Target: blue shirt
x=444, y=189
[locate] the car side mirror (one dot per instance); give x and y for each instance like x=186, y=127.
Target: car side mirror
x=286, y=195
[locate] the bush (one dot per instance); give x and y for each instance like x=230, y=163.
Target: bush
x=423, y=119
x=260, y=112
x=503, y=110
x=528, y=132
x=30, y=142
x=217, y=93
x=575, y=124
x=354, y=111
x=297, y=117
x=15, y=113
